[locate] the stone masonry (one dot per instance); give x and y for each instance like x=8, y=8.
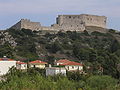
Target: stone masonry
x=27, y=24
x=65, y=23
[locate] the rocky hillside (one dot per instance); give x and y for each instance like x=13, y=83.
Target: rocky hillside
x=94, y=48
x=25, y=44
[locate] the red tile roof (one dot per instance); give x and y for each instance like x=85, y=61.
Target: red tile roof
x=38, y=62
x=72, y=63
x=62, y=61
x=6, y=59
x=67, y=62
x=19, y=62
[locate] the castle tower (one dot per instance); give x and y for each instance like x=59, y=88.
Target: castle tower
x=70, y=22
x=79, y=22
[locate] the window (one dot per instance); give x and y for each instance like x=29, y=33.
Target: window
x=34, y=66
x=68, y=67
x=72, y=66
x=73, y=17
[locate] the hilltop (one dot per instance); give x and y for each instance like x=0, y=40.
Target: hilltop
x=65, y=23
x=91, y=48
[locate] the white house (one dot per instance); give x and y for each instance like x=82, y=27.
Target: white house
x=37, y=64
x=69, y=65
x=6, y=64
x=55, y=70
x=21, y=65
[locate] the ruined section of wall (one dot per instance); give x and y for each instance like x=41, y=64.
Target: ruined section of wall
x=65, y=23
x=17, y=26
x=27, y=24
x=35, y=26
x=49, y=28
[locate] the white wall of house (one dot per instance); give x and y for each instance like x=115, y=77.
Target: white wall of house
x=73, y=67
x=41, y=66
x=5, y=66
x=54, y=71
x=21, y=66
x=58, y=63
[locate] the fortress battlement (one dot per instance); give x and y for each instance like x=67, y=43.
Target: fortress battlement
x=65, y=23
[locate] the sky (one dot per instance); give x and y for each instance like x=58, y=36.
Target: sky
x=46, y=11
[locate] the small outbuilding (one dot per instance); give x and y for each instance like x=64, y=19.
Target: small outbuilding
x=21, y=65
x=51, y=71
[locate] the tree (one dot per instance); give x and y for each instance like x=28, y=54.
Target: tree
x=101, y=83
x=50, y=59
x=85, y=32
x=114, y=46
x=110, y=65
x=112, y=31
x=54, y=47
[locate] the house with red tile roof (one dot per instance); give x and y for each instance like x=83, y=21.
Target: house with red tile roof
x=21, y=65
x=69, y=65
x=6, y=59
x=6, y=64
x=38, y=64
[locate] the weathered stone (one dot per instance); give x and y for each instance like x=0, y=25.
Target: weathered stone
x=65, y=23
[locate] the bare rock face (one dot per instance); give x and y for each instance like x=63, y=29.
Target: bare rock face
x=6, y=37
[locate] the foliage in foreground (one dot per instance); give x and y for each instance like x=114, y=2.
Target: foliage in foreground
x=33, y=80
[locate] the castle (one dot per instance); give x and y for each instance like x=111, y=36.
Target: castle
x=65, y=23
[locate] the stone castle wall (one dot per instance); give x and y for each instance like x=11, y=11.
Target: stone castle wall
x=65, y=23
x=79, y=21
x=17, y=26
x=94, y=20
x=70, y=22
x=27, y=24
